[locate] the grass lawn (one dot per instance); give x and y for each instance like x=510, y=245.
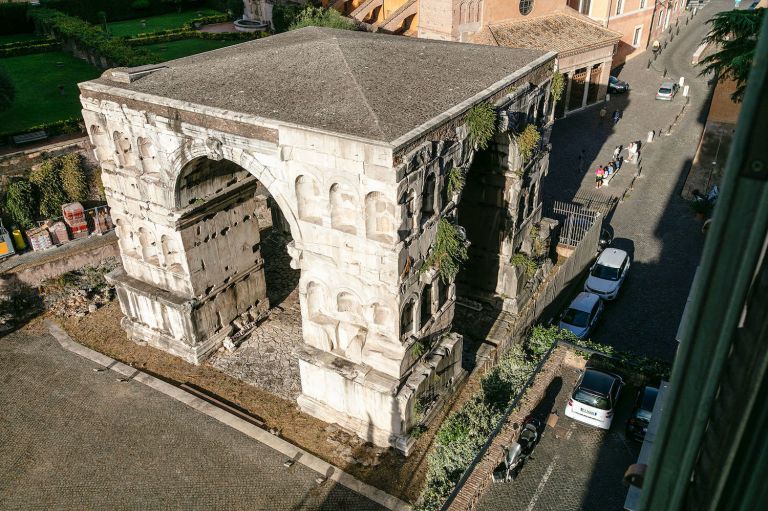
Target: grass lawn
x=5, y=39
x=177, y=49
x=37, y=95
x=156, y=23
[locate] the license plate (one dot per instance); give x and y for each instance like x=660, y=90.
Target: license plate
x=590, y=412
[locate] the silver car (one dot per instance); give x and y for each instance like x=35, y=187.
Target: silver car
x=667, y=90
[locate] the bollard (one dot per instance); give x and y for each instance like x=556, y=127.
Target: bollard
x=665, y=73
x=607, y=98
x=677, y=31
x=671, y=36
x=682, y=81
x=650, y=136
x=649, y=64
x=665, y=44
x=685, y=92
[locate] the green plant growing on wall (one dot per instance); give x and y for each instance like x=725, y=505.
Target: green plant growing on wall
x=73, y=178
x=558, y=85
x=448, y=252
x=526, y=263
x=21, y=203
x=419, y=348
x=527, y=141
x=456, y=181
x=481, y=124
x=51, y=192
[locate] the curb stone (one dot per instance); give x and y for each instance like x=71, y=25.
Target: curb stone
x=326, y=470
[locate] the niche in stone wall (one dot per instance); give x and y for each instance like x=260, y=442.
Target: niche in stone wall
x=171, y=254
x=382, y=314
x=426, y=305
x=100, y=142
x=123, y=150
x=148, y=156
x=315, y=300
x=347, y=303
x=408, y=214
x=406, y=318
x=203, y=178
x=309, y=201
x=428, y=199
x=148, y=246
x=129, y=244
x=379, y=217
x=344, y=210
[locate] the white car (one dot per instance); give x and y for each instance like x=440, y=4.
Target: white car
x=582, y=314
x=594, y=398
x=608, y=273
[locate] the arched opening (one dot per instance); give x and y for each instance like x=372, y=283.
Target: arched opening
x=232, y=240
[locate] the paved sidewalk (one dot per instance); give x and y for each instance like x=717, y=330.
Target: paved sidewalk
x=73, y=438
x=654, y=224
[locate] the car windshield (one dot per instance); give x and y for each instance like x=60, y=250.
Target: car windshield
x=589, y=399
x=576, y=317
x=664, y=90
x=605, y=272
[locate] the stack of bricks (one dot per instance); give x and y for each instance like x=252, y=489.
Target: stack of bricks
x=470, y=494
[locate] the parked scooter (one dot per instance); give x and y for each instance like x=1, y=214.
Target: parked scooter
x=516, y=454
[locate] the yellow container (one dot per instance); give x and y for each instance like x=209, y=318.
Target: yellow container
x=18, y=240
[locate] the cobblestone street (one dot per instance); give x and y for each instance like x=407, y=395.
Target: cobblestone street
x=73, y=438
x=654, y=224
x=574, y=466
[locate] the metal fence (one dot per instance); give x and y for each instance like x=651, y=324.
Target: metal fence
x=575, y=219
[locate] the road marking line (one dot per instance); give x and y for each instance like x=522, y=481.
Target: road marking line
x=543, y=482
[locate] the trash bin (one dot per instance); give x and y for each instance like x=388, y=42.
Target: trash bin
x=18, y=239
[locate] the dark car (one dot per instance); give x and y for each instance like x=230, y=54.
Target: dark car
x=616, y=86
x=637, y=425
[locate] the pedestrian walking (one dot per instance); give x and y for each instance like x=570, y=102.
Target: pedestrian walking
x=603, y=113
x=599, y=174
x=609, y=169
x=616, y=152
x=616, y=117
x=619, y=162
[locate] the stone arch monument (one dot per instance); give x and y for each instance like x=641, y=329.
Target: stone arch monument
x=344, y=130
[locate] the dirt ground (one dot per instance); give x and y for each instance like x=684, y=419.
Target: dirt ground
x=394, y=473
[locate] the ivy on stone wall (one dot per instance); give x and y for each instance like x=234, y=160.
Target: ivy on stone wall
x=481, y=124
x=526, y=263
x=558, y=85
x=448, y=252
x=527, y=142
x=456, y=181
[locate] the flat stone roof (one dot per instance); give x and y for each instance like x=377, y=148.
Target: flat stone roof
x=374, y=86
x=562, y=32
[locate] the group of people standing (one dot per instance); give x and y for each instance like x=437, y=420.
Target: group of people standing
x=604, y=172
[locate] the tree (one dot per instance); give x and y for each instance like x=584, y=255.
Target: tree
x=73, y=178
x=735, y=35
x=48, y=182
x=7, y=90
x=20, y=203
x=320, y=17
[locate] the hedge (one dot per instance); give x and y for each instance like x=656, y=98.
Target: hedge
x=63, y=127
x=36, y=46
x=89, y=37
x=115, y=10
x=167, y=36
x=13, y=18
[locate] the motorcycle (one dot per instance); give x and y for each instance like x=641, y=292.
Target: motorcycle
x=516, y=453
